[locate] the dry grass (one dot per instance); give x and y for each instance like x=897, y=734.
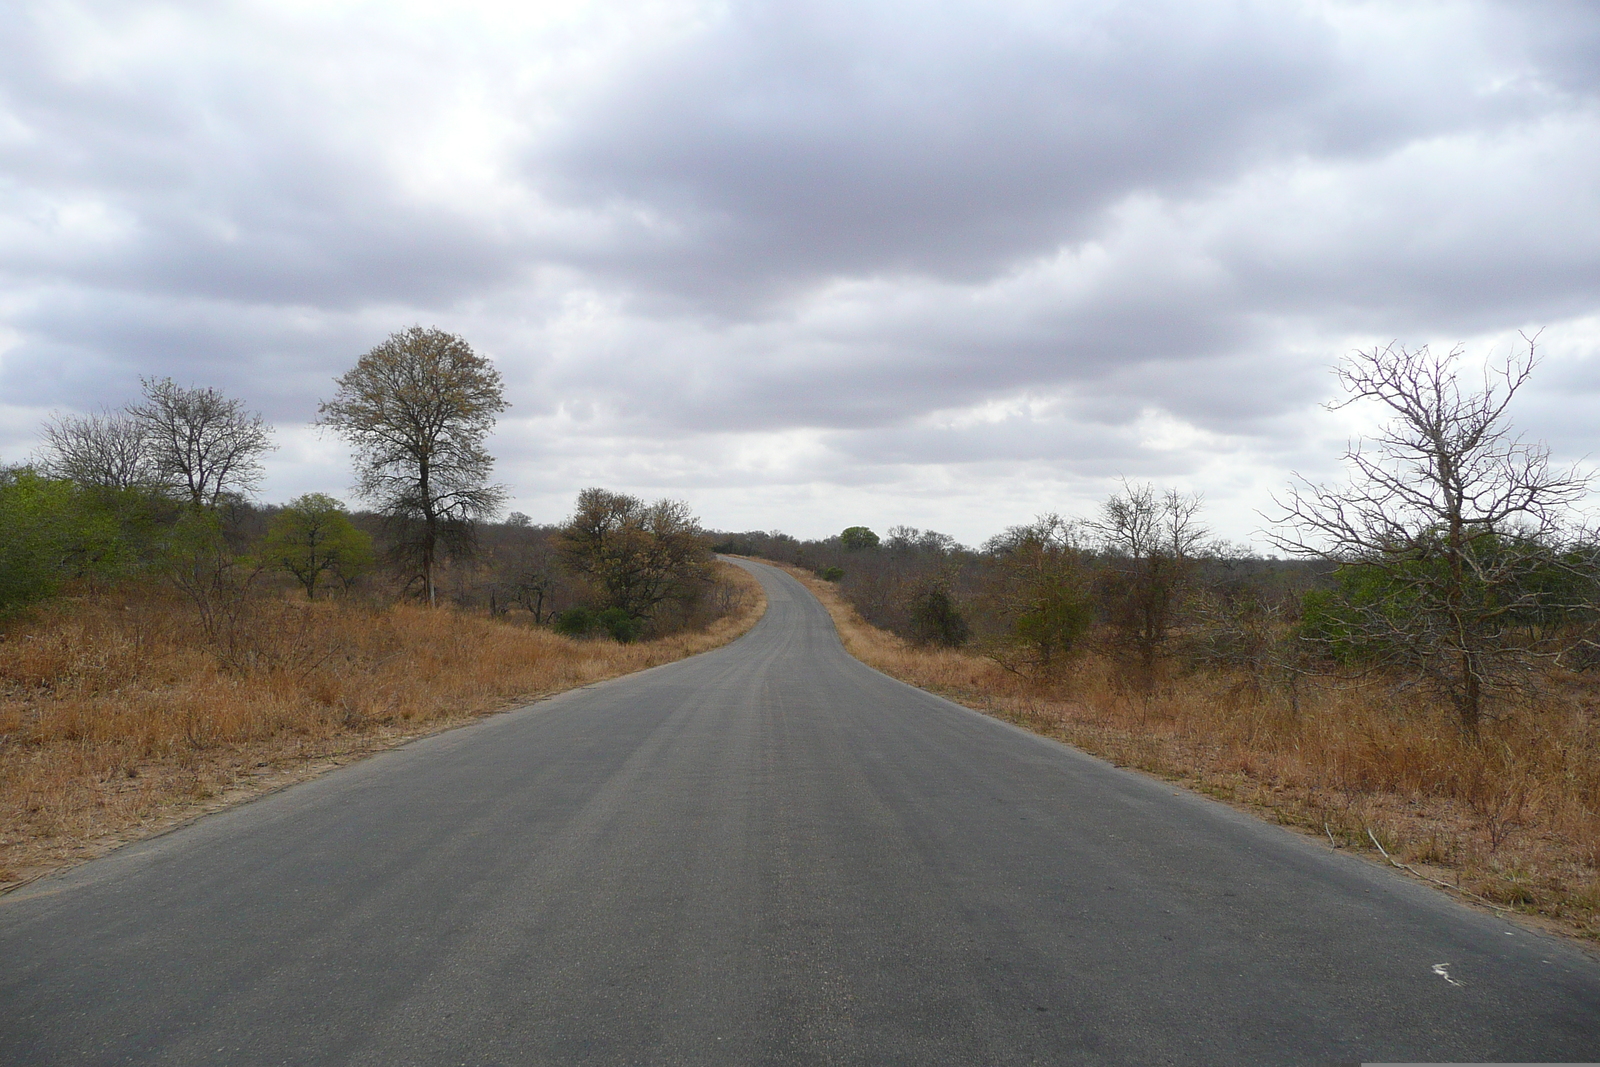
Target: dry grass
x=1509, y=822
x=117, y=721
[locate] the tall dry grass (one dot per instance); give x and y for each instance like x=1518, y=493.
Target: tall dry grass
x=117, y=719
x=1509, y=821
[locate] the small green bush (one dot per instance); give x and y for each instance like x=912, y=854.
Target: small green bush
x=621, y=626
x=614, y=623
x=574, y=622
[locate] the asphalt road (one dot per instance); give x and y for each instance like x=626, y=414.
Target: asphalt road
x=766, y=854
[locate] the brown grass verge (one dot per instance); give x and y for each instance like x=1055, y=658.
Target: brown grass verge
x=1508, y=823
x=116, y=722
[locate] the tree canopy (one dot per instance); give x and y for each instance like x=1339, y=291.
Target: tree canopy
x=416, y=410
x=313, y=536
x=636, y=555
x=196, y=441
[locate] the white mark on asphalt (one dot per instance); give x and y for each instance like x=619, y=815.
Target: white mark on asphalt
x=1441, y=969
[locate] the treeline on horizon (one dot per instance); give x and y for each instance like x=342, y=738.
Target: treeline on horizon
x=1139, y=584
x=1038, y=596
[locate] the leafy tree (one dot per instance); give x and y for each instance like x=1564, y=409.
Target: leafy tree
x=53, y=531
x=1450, y=530
x=858, y=539
x=31, y=536
x=314, y=536
x=416, y=409
x=198, y=442
x=637, y=556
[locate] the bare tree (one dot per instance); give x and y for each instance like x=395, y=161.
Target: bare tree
x=1450, y=529
x=417, y=409
x=108, y=449
x=201, y=443
x=1149, y=542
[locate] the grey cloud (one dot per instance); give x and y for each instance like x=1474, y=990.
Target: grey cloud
x=802, y=141
x=87, y=347
x=1561, y=36
x=850, y=224
x=218, y=178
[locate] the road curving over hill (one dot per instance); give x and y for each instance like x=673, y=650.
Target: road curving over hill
x=765, y=854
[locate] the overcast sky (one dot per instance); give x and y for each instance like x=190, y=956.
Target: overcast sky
x=808, y=264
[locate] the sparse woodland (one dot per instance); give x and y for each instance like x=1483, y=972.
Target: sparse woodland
x=1419, y=676
x=1419, y=673
x=166, y=645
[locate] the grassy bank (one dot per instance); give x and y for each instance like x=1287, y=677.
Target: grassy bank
x=1510, y=822
x=117, y=718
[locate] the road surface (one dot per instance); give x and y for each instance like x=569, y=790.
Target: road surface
x=766, y=854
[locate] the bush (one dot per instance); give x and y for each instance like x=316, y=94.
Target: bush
x=574, y=622
x=614, y=623
x=936, y=620
x=52, y=531
x=314, y=536
x=618, y=624
x=830, y=574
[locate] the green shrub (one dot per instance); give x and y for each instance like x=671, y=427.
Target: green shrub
x=314, y=536
x=936, y=620
x=614, y=623
x=52, y=531
x=621, y=626
x=574, y=622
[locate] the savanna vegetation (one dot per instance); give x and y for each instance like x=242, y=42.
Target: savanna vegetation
x=168, y=645
x=1417, y=676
